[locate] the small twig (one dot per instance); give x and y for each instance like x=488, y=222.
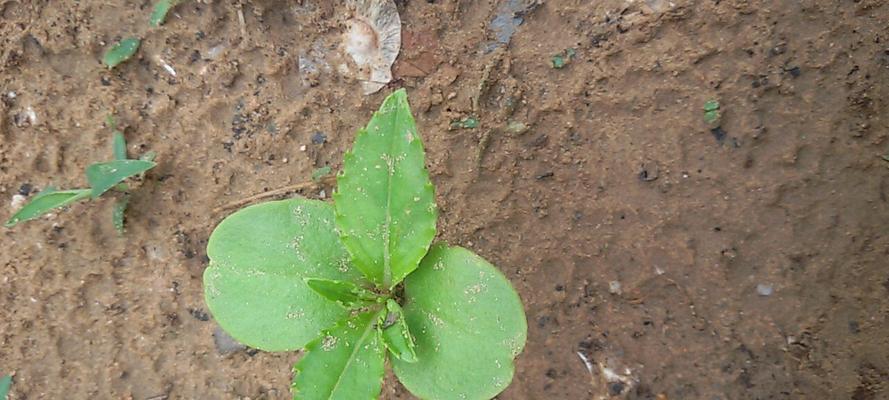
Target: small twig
x=241, y=21
x=327, y=180
x=586, y=362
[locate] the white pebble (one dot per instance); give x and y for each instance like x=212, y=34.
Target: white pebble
x=17, y=202
x=614, y=287
x=764, y=289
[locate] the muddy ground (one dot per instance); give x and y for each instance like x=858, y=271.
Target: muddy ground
x=747, y=262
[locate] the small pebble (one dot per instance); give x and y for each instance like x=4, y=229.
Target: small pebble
x=226, y=344
x=302, y=148
x=616, y=388
x=319, y=138
x=614, y=287
x=199, y=314
x=764, y=289
x=17, y=202
x=25, y=189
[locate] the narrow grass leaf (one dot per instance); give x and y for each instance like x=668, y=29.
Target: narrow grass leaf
x=45, y=202
x=120, y=52
x=159, y=13
x=5, y=384
x=119, y=146
x=117, y=213
x=105, y=175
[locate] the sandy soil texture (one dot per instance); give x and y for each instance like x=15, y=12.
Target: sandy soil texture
x=745, y=262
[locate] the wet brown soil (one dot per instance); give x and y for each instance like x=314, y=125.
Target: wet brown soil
x=745, y=262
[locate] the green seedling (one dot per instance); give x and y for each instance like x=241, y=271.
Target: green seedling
x=562, y=59
x=120, y=52
x=5, y=384
x=320, y=173
x=359, y=281
x=711, y=112
x=160, y=10
x=465, y=123
x=102, y=177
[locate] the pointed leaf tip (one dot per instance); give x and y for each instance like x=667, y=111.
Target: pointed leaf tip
x=46, y=201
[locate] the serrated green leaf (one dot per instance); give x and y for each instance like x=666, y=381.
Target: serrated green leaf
x=5, y=384
x=45, y=202
x=347, y=294
x=159, y=13
x=119, y=146
x=469, y=325
x=345, y=362
x=120, y=52
x=396, y=335
x=118, y=212
x=105, y=175
x=385, y=203
x=259, y=259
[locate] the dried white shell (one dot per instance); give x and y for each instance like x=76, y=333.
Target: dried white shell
x=373, y=39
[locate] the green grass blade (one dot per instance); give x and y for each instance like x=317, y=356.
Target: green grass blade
x=159, y=13
x=5, y=384
x=119, y=146
x=120, y=52
x=345, y=362
x=105, y=175
x=384, y=202
x=117, y=213
x=45, y=202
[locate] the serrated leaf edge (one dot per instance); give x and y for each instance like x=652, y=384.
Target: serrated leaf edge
x=326, y=332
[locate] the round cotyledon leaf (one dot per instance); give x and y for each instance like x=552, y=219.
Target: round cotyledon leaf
x=469, y=325
x=260, y=258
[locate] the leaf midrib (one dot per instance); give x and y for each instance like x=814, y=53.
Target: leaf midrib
x=387, y=238
x=355, y=349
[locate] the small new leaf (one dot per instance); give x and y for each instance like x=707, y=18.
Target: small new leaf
x=395, y=333
x=347, y=294
x=117, y=214
x=120, y=52
x=119, y=146
x=345, y=362
x=159, y=13
x=105, y=175
x=385, y=205
x=45, y=202
x=5, y=384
